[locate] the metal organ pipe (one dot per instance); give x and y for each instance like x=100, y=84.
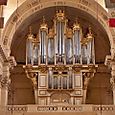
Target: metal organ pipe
x=69, y=46
x=89, y=52
x=43, y=38
x=77, y=42
x=60, y=26
x=36, y=50
x=29, y=52
x=84, y=54
x=50, y=51
x=51, y=46
x=69, y=52
x=35, y=55
x=29, y=48
x=62, y=45
x=43, y=47
x=93, y=52
x=60, y=42
x=90, y=45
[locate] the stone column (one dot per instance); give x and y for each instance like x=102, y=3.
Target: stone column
x=4, y=90
x=0, y=88
x=110, y=62
x=6, y=63
x=112, y=80
x=5, y=81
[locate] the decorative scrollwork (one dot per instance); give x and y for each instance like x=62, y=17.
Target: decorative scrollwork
x=76, y=68
x=112, y=81
x=60, y=68
x=43, y=69
x=0, y=78
x=5, y=81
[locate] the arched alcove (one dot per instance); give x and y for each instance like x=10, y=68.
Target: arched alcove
x=15, y=33
x=18, y=46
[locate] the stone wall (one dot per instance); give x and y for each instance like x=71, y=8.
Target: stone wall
x=21, y=87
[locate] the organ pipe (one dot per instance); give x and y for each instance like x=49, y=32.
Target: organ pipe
x=60, y=26
x=36, y=50
x=84, y=54
x=90, y=47
x=76, y=41
x=69, y=46
x=60, y=44
x=29, y=48
x=43, y=39
x=51, y=47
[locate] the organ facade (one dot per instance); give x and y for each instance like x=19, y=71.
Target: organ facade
x=60, y=61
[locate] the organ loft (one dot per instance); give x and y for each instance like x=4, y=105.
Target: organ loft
x=60, y=61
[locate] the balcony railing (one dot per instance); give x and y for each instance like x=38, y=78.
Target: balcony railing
x=60, y=108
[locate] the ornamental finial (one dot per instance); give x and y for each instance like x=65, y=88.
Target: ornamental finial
x=76, y=25
x=30, y=29
x=89, y=35
x=60, y=15
x=43, y=26
x=90, y=29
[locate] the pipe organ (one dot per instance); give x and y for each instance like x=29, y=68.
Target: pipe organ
x=60, y=61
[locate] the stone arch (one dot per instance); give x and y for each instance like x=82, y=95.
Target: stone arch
x=30, y=7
